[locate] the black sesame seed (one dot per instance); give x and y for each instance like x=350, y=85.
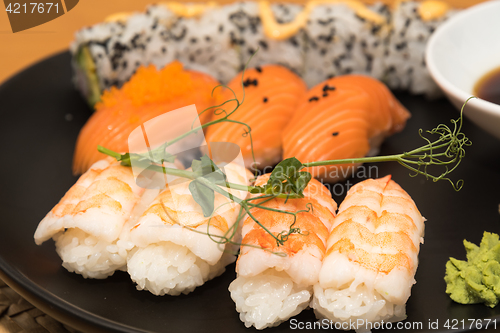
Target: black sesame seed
x=263, y=44
x=325, y=22
x=326, y=87
x=250, y=82
x=180, y=36
x=369, y=62
x=348, y=46
x=163, y=50
x=326, y=38
x=322, y=52
x=137, y=64
x=125, y=64
x=221, y=28
x=314, y=98
x=401, y=46
x=335, y=133
x=191, y=58
x=362, y=19
x=193, y=40
x=207, y=38
x=258, y=69
x=265, y=99
x=376, y=29
x=325, y=94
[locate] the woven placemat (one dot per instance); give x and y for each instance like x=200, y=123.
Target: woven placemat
x=18, y=315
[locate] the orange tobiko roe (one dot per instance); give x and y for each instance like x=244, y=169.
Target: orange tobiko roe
x=149, y=93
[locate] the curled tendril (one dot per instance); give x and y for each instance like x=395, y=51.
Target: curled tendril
x=446, y=151
x=219, y=112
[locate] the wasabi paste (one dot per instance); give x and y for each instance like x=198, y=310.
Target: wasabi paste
x=476, y=280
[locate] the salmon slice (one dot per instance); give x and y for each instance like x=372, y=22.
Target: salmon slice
x=344, y=117
x=271, y=96
x=148, y=94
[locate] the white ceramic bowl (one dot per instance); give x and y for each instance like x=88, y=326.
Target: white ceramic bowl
x=460, y=52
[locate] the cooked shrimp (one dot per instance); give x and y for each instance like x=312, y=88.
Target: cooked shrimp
x=87, y=222
x=271, y=288
x=372, y=255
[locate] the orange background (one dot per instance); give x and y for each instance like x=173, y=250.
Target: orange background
x=26, y=47
x=23, y=48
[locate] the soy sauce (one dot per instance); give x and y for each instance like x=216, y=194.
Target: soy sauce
x=488, y=87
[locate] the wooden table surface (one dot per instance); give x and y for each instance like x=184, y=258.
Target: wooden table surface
x=18, y=50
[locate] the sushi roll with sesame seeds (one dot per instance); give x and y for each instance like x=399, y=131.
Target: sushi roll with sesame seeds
x=108, y=54
x=344, y=40
x=253, y=21
x=317, y=40
x=208, y=43
x=405, y=55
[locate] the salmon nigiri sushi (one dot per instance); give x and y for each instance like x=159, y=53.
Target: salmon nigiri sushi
x=272, y=93
x=149, y=93
x=372, y=256
x=344, y=117
x=270, y=288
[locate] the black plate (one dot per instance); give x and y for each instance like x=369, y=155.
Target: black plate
x=41, y=118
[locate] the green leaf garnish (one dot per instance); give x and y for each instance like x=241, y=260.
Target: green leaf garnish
x=286, y=179
x=205, y=167
x=204, y=196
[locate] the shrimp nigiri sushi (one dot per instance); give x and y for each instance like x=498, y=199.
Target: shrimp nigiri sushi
x=149, y=93
x=271, y=288
x=344, y=117
x=372, y=256
x=86, y=224
x=271, y=96
x=173, y=252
